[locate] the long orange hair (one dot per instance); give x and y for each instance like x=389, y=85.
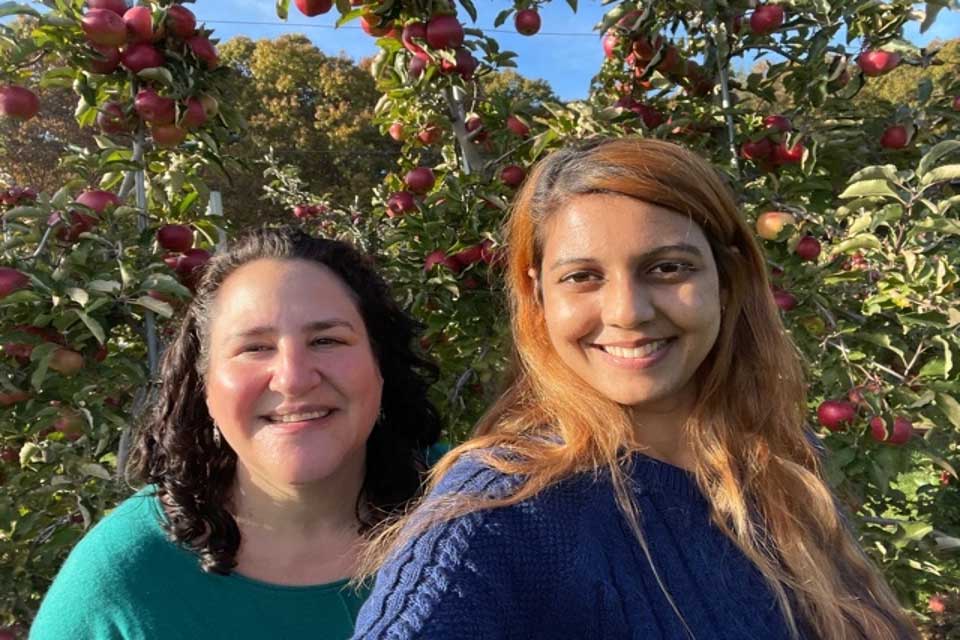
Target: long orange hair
x=754, y=460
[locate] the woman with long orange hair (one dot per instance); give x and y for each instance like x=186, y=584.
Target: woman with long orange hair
x=647, y=472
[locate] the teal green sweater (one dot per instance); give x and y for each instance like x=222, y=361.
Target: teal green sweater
x=126, y=580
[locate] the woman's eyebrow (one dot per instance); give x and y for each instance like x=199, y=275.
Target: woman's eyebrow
x=682, y=247
x=319, y=325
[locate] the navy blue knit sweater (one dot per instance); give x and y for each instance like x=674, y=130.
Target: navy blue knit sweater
x=564, y=565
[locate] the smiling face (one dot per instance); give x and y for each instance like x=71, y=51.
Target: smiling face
x=291, y=381
x=631, y=299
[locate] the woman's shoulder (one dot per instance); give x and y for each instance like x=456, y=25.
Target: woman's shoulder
x=105, y=569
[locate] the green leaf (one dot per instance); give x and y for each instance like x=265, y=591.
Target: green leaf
x=104, y=286
x=283, y=9
x=945, y=173
x=92, y=325
x=914, y=531
x=573, y=5
x=930, y=16
x=880, y=171
x=502, y=17
x=950, y=408
x=23, y=212
x=13, y=9
x=159, y=307
x=862, y=241
x=869, y=188
x=78, y=295
x=470, y=9
x=95, y=470
x=924, y=90
x=932, y=157
x=157, y=74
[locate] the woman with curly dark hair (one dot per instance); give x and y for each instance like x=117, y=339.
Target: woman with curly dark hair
x=291, y=417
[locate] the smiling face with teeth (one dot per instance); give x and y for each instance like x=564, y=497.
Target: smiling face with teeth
x=631, y=299
x=291, y=380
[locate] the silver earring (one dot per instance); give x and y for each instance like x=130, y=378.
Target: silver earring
x=217, y=439
x=381, y=417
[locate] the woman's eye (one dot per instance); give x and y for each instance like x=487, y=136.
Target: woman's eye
x=672, y=268
x=579, y=276
x=326, y=341
x=254, y=348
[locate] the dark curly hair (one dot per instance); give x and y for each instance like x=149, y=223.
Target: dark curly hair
x=193, y=471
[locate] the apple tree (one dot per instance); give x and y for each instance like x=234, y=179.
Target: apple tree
x=90, y=271
x=854, y=201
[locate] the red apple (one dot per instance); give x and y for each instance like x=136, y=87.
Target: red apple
x=18, y=103
x=780, y=123
x=105, y=59
x=181, y=22
x=470, y=255
x=440, y=257
x=474, y=123
x=112, y=119
x=400, y=203
x=420, y=180
x=808, y=248
x=175, y=237
x=312, y=8
x=194, y=115
x=167, y=136
x=8, y=399
x=466, y=63
x=782, y=154
x=487, y=253
x=877, y=63
x=512, y=175
x=937, y=604
x=140, y=56
x=836, y=415
x=105, y=27
x=418, y=31
x=119, y=7
x=416, y=67
x=609, y=43
x=766, y=19
x=154, y=108
x=902, y=431
x=204, y=50
x=757, y=150
x=517, y=126
x=10, y=454
x=189, y=266
x=527, y=21
x=895, y=137
x=431, y=134
x=72, y=224
x=771, y=223
x=396, y=131
x=374, y=25
x=11, y=280
x=70, y=423
x=98, y=200
x=139, y=21
x=444, y=32
x=785, y=300
x=66, y=361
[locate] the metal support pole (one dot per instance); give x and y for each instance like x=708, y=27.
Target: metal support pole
x=215, y=209
x=470, y=160
x=724, y=69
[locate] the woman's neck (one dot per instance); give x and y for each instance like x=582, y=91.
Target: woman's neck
x=661, y=430
x=297, y=534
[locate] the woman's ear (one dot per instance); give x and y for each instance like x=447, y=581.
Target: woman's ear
x=535, y=276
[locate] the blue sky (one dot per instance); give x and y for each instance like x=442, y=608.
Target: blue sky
x=566, y=52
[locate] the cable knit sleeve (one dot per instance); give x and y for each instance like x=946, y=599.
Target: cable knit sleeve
x=453, y=581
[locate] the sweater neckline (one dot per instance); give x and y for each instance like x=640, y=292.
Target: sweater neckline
x=651, y=474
